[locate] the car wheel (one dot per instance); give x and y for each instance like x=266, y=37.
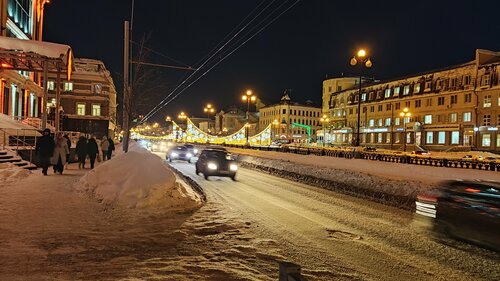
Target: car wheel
x=197, y=171
x=206, y=177
x=169, y=159
x=233, y=177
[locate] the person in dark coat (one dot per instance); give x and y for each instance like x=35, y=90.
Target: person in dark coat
x=93, y=151
x=81, y=151
x=111, y=147
x=68, y=141
x=44, y=149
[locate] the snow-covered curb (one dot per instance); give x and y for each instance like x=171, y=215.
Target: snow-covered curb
x=139, y=180
x=400, y=193
x=10, y=173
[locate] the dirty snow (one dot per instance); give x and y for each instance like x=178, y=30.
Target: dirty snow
x=10, y=173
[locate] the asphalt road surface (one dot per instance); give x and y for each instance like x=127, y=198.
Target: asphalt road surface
x=334, y=235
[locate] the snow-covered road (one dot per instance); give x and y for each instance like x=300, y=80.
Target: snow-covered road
x=336, y=237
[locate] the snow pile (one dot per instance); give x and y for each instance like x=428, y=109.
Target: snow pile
x=139, y=179
x=10, y=173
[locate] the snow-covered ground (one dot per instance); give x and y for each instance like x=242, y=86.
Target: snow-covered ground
x=80, y=226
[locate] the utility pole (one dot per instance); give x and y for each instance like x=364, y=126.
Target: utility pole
x=126, y=87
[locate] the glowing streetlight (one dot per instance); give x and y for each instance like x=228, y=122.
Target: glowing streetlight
x=248, y=97
x=276, y=124
x=405, y=114
x=360, y=59
x=324, y=119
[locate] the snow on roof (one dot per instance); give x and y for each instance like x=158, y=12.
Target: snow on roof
x=47, y=49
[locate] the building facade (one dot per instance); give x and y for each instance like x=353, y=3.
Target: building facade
x=20, y=92
x=88, y=101
x=291, y=120
x=233, y=119
x=452, y=107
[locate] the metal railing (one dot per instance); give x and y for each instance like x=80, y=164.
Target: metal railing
x=22, y=139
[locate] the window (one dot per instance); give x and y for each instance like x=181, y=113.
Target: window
x=363, y=96
x=398, y=106
x=329, y=89
x=380, y=122
x=441, y=137
x=428, y=119
x=387, y=121
x=387, y=93
x=467, y=116
x=97, y=88
x=417, y=103
x=429, y=138
x=453, y=82
x=468, y=97
x=407, y=119
x=339, y=88
x=453, y=118
x=428, y=102
x=487, y=101
x=485, y=80
x=50, y=85
x=486, y=120
x=380, y=107
x=397, y=121
x=388, y=107
x=498, y=140
x=80, y=109
x=407, y=104
x=396, y=91
x=388, y=138
x=440, y=100
x=68, y=86
x=284, y=111
x=486, y=140
x=416, y=88
x=428, y=86
x=371, y=122
x=96, y=110
x=453, y=99
x=455, y=137
x=372, y=108
x=406, y=90
x=467, y=80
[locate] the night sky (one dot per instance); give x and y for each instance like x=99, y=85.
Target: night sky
x=313, y=40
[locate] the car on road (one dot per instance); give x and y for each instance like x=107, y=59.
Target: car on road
x=191, y=148
x=467, y=210
x=214, y=162
x=179, y=153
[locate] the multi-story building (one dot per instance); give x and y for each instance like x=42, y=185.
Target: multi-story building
x=88, y=101
x=454, y=106
x=233, y=119
x=291, y=120
x=20, y=93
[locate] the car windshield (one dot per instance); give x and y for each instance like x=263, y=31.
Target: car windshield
x=181, y=148
x=217, y=154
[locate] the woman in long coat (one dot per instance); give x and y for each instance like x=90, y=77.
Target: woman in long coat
x=60, y=151
x=81, y=151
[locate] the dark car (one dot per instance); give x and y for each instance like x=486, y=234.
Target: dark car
x=214, y=162
x=179, y=153
x=467, y=210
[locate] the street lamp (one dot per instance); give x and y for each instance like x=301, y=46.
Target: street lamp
x=324, y=119
x=208, y=109
x=247, y=126
x=405, y=114
x=360, y=59
x=248, y=97
x=276, y=124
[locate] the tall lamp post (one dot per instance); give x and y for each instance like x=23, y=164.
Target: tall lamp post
x=182, y=116
x=324, y=120
x=276, y=123
x=405, y=114
x=248, y=97
x=247, y=126
x=208, y=109
x=360, y=59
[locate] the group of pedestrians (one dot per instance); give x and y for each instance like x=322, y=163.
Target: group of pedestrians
x=56, y=151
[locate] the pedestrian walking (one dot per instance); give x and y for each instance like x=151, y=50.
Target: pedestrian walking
x=60, y=151
x=81, y=151
x=68, y=141
x=93, y=151
x=111, y=147
x=104, y=147
x=44, y=149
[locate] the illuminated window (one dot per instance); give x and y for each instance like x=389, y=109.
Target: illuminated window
x=467, y=116
x=429, y=138
x=406, y=90
x=397, y=121
x=68, y=86
x=428, y=119
x=372, y=122
x=96, y=110
x=50, y=85
x=387, y=93
x=486, y=140
x=80, y=109
x=416, y=88
x=455, y=137
x=396, y=91
x=441, y=137
x=388, y=121
x=487, y=101
x=485, y=80
x=453, y=117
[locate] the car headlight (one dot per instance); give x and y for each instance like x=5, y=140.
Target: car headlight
x=212, y=166
x=195, y=151
x=189, y=155
x=174, y=154
x=233, y=167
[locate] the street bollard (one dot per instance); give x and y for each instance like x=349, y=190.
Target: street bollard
x=290, y=272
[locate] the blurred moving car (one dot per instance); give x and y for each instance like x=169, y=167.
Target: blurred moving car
x=214, y=162
x=191, y=148
x=179, y=153
x=467, y=210
x=216, y=147
x=420, y=152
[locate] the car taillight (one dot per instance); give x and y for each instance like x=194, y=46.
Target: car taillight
x=427, y=198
